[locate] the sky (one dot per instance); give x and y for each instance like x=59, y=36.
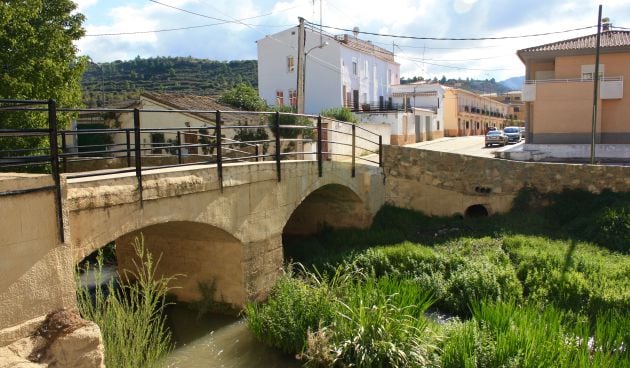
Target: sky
x=228, y=29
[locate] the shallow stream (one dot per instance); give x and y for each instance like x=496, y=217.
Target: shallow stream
x=218, y=341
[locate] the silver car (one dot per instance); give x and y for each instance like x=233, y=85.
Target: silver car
x=513, y=134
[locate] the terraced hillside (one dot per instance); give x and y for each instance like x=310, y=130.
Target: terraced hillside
x=123, y=80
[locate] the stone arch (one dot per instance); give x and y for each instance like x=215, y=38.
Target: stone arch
x=476, y=210
x=201, y=254
x=334, y=205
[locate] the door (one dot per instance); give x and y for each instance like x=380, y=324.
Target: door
x=191, y=138
x=418, y=133
x=355, y=99
x=427, y=126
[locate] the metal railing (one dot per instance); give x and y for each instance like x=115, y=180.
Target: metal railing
x=574, y=80
x=279, y=137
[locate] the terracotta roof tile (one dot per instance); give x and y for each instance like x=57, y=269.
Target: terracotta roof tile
x=184, y=101
x=609, y=39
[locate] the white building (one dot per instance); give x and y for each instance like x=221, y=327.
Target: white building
x=345, y=71
x=426, y=103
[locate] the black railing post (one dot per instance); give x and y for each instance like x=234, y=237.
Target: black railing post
x=219, y=152
x=63, y=151
x=380, y=151
x=276, y=127
x=138, y=152
x=54, y=163
x=179, y=147
x=128, y=137
x=320, y=166
x=257, y=151
x=354, y=148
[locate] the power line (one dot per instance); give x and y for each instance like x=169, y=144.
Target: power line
x=153, y=31
x=450, y=38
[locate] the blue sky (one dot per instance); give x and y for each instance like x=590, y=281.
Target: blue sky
x=250, y=20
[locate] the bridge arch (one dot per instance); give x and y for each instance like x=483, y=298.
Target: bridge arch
x=203, y=256
x=333, y=205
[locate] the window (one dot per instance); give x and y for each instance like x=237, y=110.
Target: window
x=293, y=98
x=389, y=76
x=438, y=125
x=279, y=98
x=354, y=66
x=366, y=69
x=517, y=109
x=588, y=71
x=290, y=64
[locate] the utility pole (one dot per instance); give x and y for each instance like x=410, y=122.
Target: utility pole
x=596, y=82
x=300, y=67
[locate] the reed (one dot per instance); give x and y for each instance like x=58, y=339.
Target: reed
x=131, y=316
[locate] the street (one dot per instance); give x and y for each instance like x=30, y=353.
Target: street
x=471, y=145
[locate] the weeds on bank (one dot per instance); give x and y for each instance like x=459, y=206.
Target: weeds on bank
x=130, y=316
x=545, y=285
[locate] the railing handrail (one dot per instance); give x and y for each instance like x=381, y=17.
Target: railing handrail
x=574, y=80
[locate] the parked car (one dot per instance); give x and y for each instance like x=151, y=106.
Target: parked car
x=513, y=134
x=496, y=137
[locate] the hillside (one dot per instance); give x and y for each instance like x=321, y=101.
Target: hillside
x=475, y=85
x=121, y=80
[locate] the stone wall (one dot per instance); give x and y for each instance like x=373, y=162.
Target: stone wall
x=36, y=269
x=439, y=183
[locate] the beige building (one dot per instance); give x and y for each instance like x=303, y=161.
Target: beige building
x=153, y=108
x=517, y=115
x=467, y=113
x=559, y=87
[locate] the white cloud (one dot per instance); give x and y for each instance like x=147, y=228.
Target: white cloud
x=436, y=18
x=463, y=6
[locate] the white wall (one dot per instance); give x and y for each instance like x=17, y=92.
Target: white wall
x=327, y=70
x=435, y=103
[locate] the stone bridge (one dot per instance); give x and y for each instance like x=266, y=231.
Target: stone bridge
x=231, y=239
x=226, y=236
x=230, y=236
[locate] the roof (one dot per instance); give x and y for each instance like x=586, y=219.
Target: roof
x=185, y=101
x=609, y=40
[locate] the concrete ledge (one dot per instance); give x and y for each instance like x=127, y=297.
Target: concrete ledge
x=568, y=152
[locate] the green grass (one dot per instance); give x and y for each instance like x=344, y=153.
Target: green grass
x=540, y=286
x=131, y=317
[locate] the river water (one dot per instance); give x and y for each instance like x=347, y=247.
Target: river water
x=218, y=341
x=208, y=341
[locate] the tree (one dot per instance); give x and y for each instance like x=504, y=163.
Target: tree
x=243, y=96
x=37, y=56
x=38, y=60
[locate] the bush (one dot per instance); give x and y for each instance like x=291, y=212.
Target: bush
x=294, y=308
x=341, y=113
x=287, y=117
x=572, y=276
x=379, y=323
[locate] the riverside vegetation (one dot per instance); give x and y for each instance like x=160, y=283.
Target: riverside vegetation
x=547, y=284
x=131, y=316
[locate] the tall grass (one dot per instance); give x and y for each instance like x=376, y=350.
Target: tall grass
x=131, y=317
x=348, y=318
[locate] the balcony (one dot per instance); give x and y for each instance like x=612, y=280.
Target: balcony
x=609, y=87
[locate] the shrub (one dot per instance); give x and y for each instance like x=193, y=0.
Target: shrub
x=340, y=113
x=287, y=117
x=294, y=308
x=379, y=323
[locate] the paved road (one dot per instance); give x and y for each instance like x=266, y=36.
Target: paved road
x=473, y=146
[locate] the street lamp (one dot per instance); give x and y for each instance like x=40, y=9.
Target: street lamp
x=303, y=76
